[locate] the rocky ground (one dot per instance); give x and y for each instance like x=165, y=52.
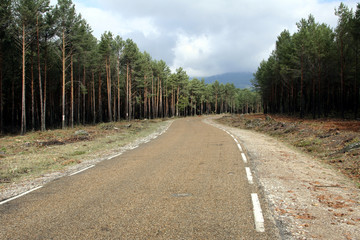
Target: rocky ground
x=308, y=193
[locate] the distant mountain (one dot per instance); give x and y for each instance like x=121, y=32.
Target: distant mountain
x=239, y=79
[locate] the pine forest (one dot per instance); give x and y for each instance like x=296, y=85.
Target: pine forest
x=54, y=74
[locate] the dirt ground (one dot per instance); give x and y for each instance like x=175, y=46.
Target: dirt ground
x=333, y=141
x=309, y=196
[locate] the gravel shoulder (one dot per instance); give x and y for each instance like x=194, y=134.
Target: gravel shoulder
x=309, y=200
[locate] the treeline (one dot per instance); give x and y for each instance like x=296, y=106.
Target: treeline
x=315, y=70
x=55, y=73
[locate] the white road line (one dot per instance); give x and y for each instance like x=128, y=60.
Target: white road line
x=82, y=170
x=239, y=147
x=20, y=195
x=244, y=157
x=114, y=156
x=236, y=140
x=249, y=175
x=258, y=216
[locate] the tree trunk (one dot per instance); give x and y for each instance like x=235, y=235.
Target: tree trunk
x=342, y=70
x=84, y=97
x=108, y=82
x=145, y=98
x=301, y=86
x=63, y=79
x=23, y=112
x=118, y=88
x=130, y=94
x=42, y=113
x=99, y=99
x=177, y=101
x=72, y=91
x=127, y=92
x=93, y=93
x=152, y=97
x=32, y=92
x=1, y=91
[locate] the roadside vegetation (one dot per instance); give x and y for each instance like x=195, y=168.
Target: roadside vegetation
x=333, y=141
x=38, y=153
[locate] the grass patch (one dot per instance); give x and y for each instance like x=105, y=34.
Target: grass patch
x=37, y=153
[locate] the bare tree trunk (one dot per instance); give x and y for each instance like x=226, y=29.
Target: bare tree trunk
x=23, y=112
x=301, y=87
x=152, y=97
x=130, y=94
x=42, y=113
x=63, y=79
x=1, y=91
x=99, y=99
x=93, y=99
x=177, y=101
x=118, y=88
x=127, y=92
x=108, y=82
x=72, y=91
x=145, y=97
x=84, y=97
x=32, y=92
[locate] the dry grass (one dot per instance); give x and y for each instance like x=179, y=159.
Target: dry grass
x=37, y=153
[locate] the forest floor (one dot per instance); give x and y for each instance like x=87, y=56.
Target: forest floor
x=334, y=141
x=39, y=157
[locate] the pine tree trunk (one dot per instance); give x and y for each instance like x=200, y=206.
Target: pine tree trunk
x=32, y=92
x=130, y=94
x=177, y=101
x=72, y=91
x=84, y=96
x=42, y=113
x=145, y=97
x=100, y=100
x=152, y=97
x=301, y=87
x=108, y=81
x=342, y=70
x=93, y=98
x=63, y=79
x=1, y=91
x=127, y=92
x=23, y=112
x=118, y=88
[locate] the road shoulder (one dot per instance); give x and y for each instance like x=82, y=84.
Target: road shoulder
x=308, y=200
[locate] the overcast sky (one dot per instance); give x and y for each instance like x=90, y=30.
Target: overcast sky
x=205, y=37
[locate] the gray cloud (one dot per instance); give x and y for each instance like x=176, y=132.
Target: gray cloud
x=205, y=37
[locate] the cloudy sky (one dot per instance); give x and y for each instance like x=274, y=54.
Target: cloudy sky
x=205, y=37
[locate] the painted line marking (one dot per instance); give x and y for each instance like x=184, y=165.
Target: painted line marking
x=236, y=140
x=20, y=195
x=114, y=156
x=258, y=216
x=82, y=170
x=249, y=175
x=244, y=157
x=239, y=147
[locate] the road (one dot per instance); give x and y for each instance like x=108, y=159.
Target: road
x=189, y=183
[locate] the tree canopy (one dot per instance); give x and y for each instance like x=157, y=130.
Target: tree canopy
x=55, y=73
x=315, y=70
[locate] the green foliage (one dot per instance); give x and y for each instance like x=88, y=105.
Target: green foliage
x=314, y=70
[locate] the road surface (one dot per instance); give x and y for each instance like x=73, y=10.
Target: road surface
x=192, y=182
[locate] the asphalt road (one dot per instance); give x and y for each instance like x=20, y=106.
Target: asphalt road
x=189, y=183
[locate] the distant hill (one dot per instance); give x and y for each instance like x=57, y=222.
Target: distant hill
x=239, y=79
